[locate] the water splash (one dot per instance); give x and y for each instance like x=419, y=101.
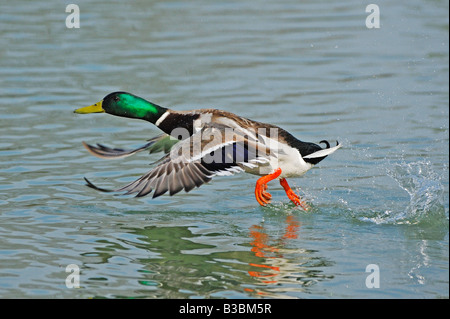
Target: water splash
x=426, y=196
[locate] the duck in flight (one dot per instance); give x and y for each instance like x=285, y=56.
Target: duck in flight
x=204, y=143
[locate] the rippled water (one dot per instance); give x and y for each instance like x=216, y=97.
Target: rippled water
x=310, y=67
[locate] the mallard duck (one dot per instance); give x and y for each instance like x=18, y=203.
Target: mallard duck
x=204, y=143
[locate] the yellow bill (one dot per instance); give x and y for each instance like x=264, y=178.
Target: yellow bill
x=94, y=108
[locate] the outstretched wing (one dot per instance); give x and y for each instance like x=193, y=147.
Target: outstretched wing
x=160, y=143
x=195, y=161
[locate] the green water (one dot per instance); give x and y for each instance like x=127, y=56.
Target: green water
x=313, y=68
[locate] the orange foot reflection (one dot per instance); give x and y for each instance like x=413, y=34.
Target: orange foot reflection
x=270, y=253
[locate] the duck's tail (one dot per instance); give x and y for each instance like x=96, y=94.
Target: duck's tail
x=323, y=152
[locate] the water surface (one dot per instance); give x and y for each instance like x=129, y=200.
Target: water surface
x=313, y=68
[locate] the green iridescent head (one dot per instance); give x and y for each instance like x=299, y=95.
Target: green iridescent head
x=125, y=105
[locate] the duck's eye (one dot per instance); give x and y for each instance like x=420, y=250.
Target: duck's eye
x=116, y=98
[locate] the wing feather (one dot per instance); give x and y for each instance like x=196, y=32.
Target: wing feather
x=187, y=166
x=160, y=143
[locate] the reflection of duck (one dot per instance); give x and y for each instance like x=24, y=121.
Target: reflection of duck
x=210, y=143
x=262, y=248
x=280, y=271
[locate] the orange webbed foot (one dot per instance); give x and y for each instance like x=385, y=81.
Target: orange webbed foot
x=261, y=195
x=293, y=196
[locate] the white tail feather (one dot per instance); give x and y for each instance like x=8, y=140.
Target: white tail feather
x=324, y=152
